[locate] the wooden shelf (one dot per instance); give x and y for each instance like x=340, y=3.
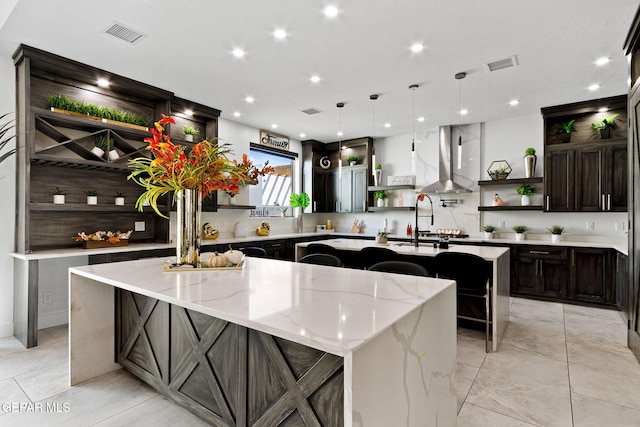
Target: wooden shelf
x=510, y=208
x=236, y=207
x=390, y=187
x=83, y=207
x=391, y=208
x=537, y=180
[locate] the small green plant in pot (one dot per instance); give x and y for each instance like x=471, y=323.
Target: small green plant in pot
x=380, y=196
x=92, y=197
x=530, y=160
x=605, y=125
x=488, y=231
x=564, y=130
x=106, y=145
x=556, y=231
x=377, y=174
x=352, y=160
x=525, y=191
x=119, y=199
x=499, y=173
x=381, y=237
x=189, y=132
x=520, y=231
x=58, y=196
x=301, y=201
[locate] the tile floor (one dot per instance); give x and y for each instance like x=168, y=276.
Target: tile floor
x=559, y=365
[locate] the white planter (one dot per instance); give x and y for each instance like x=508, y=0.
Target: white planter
x=520, y=236
x=488, y=235
x=525, y=200
x=58, y=199
x=381, y=240
x=352, y=163
x=92, y=200
x=188, y=138
x=113, y=155
x=119, y=201
x=555, y=238
x=99, y=152
x=380, y=203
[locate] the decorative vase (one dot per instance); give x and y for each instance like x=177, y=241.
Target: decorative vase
x=519, y=236
x=605, y=133
x=381, y=239
x=525, y=200
x=299, y=223
x=113, y=155
x=188, y=138
x=58, y=199
x=377, y=177
x=188, y=207
x=119, y=201
x=97, y=151
x=530, y=165
x=488, y=235
x=92, y=200
x=555, y=238
x=497, y=201
x=386, y=203
x=352, y=163
x=380, y=203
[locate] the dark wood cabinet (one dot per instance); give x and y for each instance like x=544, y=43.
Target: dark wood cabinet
x=622, y=284
x=588, y=174
x=324, y=190
x=353, y=189
x=539, y=271
x=591, y=276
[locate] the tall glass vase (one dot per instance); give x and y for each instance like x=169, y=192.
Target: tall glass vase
x=299, y=224
x=188, y=207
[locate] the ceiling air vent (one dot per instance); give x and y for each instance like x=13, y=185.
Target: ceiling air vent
x=502, y=63
x=311, y=111
x=124, y=33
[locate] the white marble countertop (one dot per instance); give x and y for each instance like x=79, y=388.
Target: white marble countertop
x=489, y=253
x=331, y=309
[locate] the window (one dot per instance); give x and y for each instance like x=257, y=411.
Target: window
x=271, y=194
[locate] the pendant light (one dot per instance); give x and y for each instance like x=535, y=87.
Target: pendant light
x=340, y=147
x=373, y=129
x=413, y=88
x=459, y=77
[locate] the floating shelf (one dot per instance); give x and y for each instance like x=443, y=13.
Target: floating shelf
x=236, y=207
x=510, y=208
x=537, y=180
x=390, y=187
x=391, y=208
x=83, y=207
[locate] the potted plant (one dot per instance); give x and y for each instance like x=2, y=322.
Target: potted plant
x=377, y=174
x=526, y=191
x=556, y=232
x=92, y=197
x=58, y=196
x=352, y=160
x=605, y=125
x=301, y=201
x=488, y=231
x=520, y=230
x=119, y=200
x=97, y=149
x=565, y=129
x=103, y=145
x=530, y=162
x=283, y=211
x=381, y=237
x=380, y=196
x=499, y=173
x=189, y=132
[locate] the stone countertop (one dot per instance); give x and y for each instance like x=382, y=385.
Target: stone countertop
x=331, y=309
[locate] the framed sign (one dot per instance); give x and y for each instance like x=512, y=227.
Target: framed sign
x=274, y=140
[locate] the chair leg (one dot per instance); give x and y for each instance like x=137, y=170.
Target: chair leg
x=488, y=319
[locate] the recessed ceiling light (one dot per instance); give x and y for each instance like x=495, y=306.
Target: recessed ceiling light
x=340, y=133
x=603, y=109
x=417, y=47
x=594, y=87
x=602, y=61
x=315, y=79
x=274, y=126
x=280, y=34
x=103, y=82
x=514, y=102
x=387, y=125
x=236, y=114
x=249, y=99
x=238, y=53
x=303, y=135
x=420, y=119
x=331, y=11
x=464, y=112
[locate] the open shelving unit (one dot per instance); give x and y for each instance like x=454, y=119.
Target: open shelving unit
x=373, y=188
x=507, y=182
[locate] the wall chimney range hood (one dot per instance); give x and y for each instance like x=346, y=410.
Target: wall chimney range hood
x=445, y=184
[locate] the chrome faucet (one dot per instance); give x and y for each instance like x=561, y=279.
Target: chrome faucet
x=420, y=197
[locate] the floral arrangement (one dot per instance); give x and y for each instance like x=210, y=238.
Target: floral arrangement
x=205, y=166
x=109, y=236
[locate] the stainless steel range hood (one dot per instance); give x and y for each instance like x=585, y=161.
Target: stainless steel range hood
x=445, y=184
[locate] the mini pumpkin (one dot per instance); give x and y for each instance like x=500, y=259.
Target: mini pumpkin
x=217, y=260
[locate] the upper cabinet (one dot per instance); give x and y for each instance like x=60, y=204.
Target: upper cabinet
x=586, y=171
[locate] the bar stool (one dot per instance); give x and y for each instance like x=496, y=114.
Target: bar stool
x=370, y=255
x=254, y=251
x=321, y=259
x=400, y=267
x=473, y=281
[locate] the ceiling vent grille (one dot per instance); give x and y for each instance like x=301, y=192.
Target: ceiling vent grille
x=502, y=63
x=311, y=111
x=124, y=33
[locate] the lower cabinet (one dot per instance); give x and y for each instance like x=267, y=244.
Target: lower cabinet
x=591, y=276
x=622, y=283
x=540, y=271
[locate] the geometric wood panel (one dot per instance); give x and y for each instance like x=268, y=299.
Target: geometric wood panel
x=227, y=374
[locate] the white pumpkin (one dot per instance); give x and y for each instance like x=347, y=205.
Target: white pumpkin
x=217, y=260
x=234, y=257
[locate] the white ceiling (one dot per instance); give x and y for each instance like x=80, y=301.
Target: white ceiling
x=364, y=51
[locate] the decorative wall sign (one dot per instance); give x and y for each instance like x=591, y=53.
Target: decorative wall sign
x=401, y=180
x=274, y=140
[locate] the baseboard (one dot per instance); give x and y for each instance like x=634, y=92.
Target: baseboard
x=6, y=330
x=53, y=319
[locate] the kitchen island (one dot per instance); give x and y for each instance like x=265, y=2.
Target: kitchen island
x=273, y=343
x=497, y=256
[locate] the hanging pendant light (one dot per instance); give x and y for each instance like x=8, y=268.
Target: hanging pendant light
x=340, y=147
x=459, y=77
x=373, y=129
x=413, y=127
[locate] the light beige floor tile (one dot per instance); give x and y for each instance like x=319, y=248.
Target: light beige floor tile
x=87, y=403
x=474, y=416
x=544, y=339
x=588, y=412
x=10, y=345
x=53, y=336
x=606, y=332
x=158, y=411
x=465, y=375
x=10, y=394
x=537, y=311
x=525, y=386
x=592, y=312
x=471, y=350
x=43, y=383
x=18, y=363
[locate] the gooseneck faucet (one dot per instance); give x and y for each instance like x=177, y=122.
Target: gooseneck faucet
x=420, y=197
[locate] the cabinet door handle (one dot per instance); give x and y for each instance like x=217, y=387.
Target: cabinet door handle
x=609, y=201
x=315, y=206
x=604, y=208
x=364, y=205
x=540, y=267
x=547, y=202
x=539, y=252
x=275, y=245
x=573, y=259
